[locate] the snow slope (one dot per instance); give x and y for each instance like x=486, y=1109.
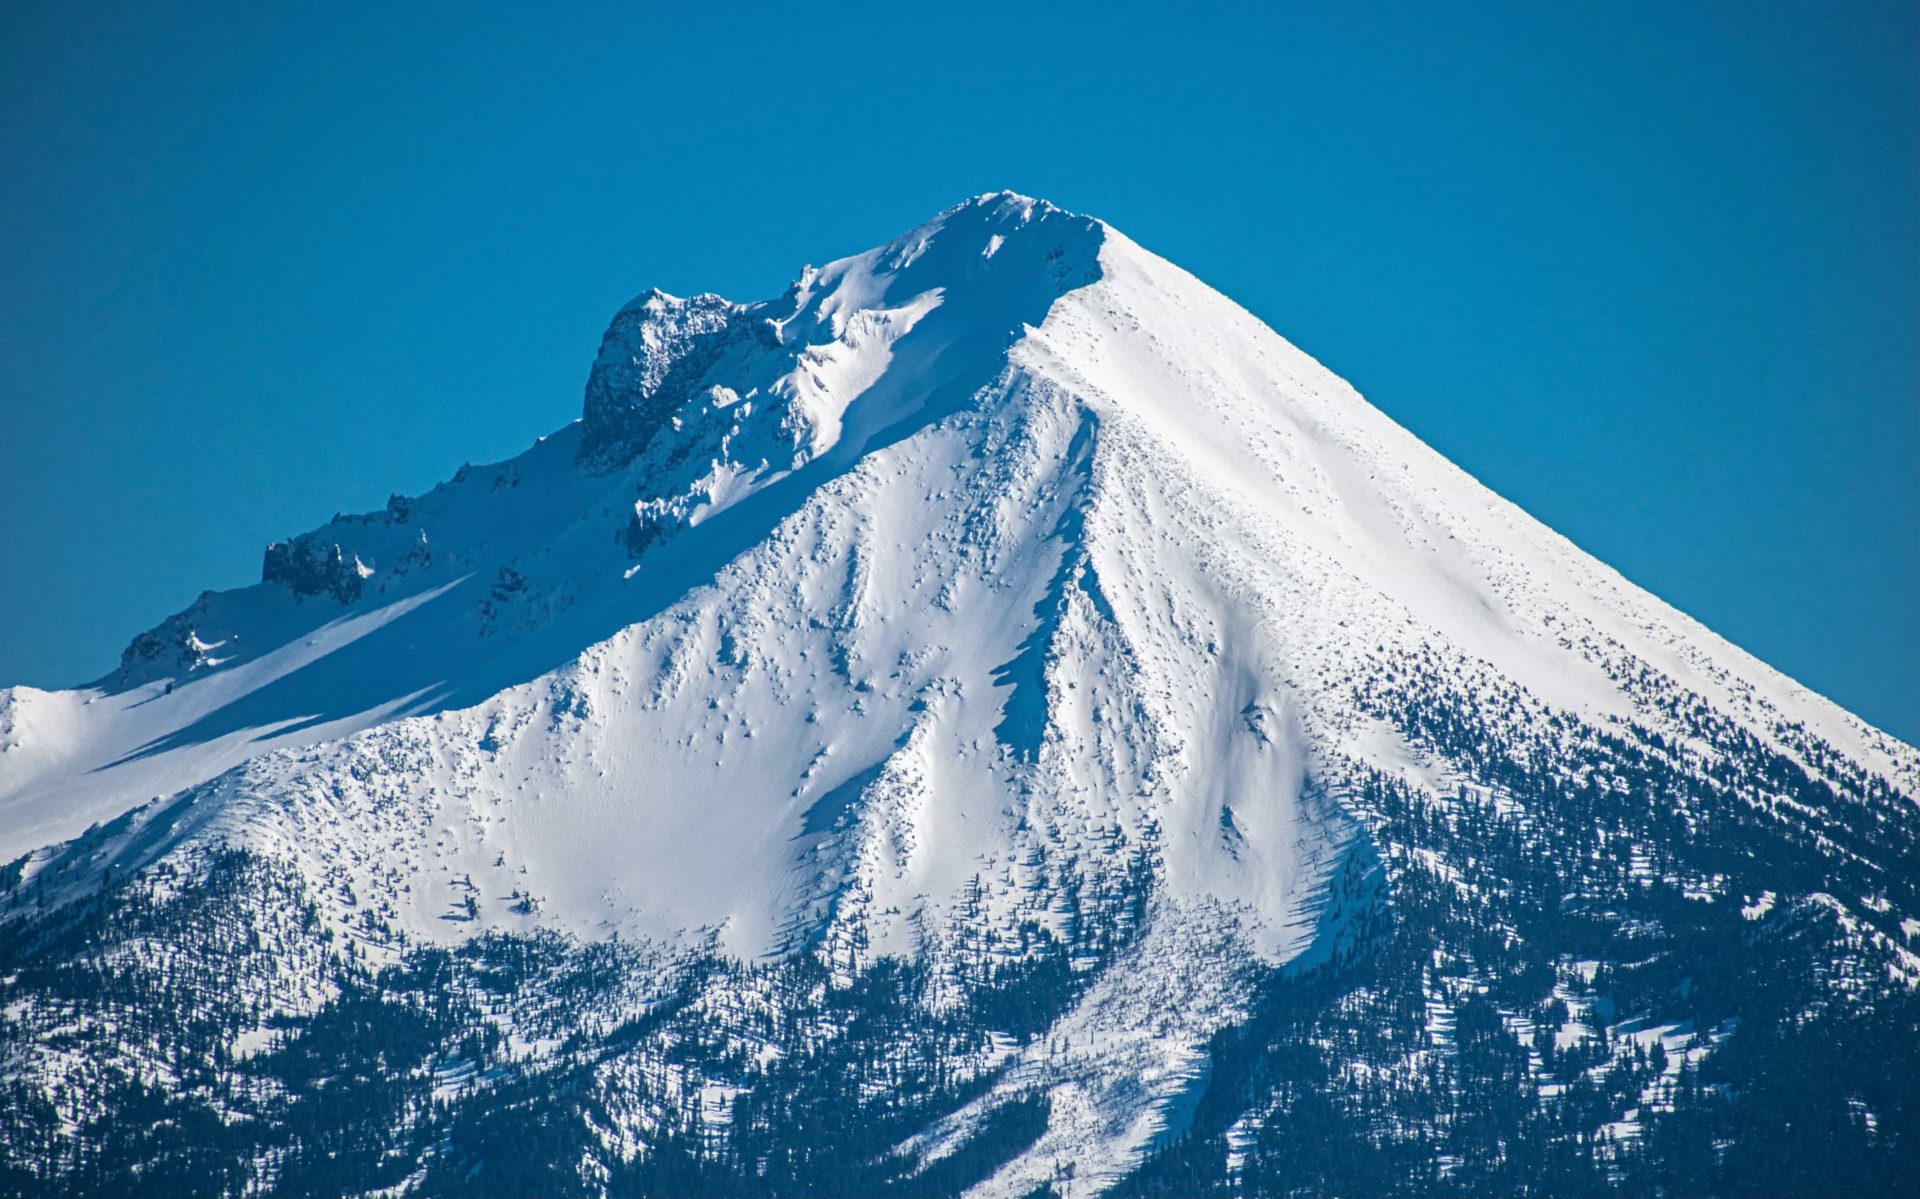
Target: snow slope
x=969, y=579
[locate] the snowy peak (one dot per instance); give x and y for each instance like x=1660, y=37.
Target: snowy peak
x=992, y=266
x=708, y=423
x=965, y=694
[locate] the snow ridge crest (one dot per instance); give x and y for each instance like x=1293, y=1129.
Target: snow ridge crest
x=1001, y=257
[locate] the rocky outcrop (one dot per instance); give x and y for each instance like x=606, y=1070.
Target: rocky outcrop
x=311, y=567
x=657, y=354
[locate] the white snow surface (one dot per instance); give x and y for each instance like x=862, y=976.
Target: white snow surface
x=1005, y=537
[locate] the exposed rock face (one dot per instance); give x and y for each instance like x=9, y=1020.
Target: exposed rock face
x=657, y=353
x=310, y=567
x=174, y=648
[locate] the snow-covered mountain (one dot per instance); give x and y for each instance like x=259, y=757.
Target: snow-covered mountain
x=995, y=718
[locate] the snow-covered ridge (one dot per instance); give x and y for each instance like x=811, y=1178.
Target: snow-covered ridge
x=484, y=563
x=807, y=355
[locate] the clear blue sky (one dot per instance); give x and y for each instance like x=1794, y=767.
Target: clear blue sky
x=1650, y=270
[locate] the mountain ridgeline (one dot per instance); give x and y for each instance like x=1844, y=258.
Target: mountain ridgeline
x=995, y=720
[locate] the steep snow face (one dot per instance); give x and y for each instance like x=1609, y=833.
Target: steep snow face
x=1329, y=490
x=1004, y=576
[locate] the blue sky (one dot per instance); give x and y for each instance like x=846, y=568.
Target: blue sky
x=1648, y=270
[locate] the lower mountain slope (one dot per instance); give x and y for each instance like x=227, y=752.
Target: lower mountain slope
x=996, y=720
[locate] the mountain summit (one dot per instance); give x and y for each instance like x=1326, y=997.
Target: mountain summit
x=996, y=718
